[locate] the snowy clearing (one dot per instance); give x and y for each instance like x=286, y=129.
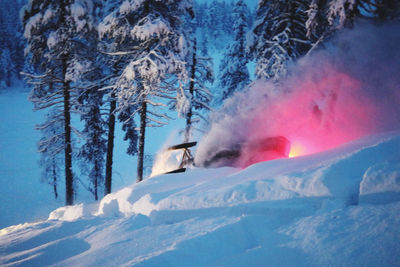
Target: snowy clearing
x=336, y=208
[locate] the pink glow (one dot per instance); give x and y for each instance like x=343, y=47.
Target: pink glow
x=332, y=96
x=321, y=112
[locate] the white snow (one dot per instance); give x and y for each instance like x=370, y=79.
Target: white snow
x=48, y=15
x=337, y=208
x=129, y=6
x=149, y=27
x=77, y=12
x=31, y=24
x=52, y=40
x=76, y=69
x=337, y=9
x=67, y=214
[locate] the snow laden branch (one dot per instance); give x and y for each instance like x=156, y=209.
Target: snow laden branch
x=148, y=43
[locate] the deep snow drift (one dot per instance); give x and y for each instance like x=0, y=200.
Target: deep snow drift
x=336, y=208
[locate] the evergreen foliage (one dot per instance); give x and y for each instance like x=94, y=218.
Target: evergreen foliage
x=51, y=147
x=11, y=42
x=215, y=20
x=279, y=36
x=132, y=59
x=58, y=34
x=91, y=103
x=326, y=17
x=92, y=152
x=234, y=75
x=196, y=97
x=150, y=37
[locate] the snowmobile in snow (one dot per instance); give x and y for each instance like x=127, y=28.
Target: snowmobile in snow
x=187, y=157
x=242, y=155
x=238, y=155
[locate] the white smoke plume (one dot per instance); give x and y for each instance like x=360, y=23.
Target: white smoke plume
x=347, y=90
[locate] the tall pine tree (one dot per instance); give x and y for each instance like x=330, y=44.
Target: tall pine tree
x=279, y=36
x=112, y=67
x=56, y=33
x=91, y=104
x=325, y=17
x=51, y=147
x=195, y=98
x=233, y=73
x=93, y=151
x=150, y=36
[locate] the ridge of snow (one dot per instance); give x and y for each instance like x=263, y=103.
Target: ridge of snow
x=335, y=208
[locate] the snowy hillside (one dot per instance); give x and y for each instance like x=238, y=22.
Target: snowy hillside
x=336, y=208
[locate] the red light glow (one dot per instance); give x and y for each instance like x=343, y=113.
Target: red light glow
x=319, y=113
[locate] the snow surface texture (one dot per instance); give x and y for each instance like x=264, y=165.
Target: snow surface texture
x=336, y=208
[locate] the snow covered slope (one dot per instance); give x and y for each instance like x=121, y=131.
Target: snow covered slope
x=336, y=208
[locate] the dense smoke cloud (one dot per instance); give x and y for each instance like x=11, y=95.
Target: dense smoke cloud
x=335, y=95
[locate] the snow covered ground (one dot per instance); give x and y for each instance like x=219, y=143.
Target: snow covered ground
x=23, y=197
x=336, y=208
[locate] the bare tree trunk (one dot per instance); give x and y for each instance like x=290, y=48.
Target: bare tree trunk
x=143, y=116
x=96, y=181
x=54, y=172
x=8, y=79
x=191, y=92
x=69, y=180
x=110, y=145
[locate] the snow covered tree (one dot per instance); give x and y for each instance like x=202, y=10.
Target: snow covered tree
x=234, y=74
x=325, y=17
x=56, y=33
x=343, y=13
x=204, y=46
x=195, y=97
x=279, y=36
x=316, y=23
x=11, y=42
x=91, y=104
x=228, y=17
x=93, y=151
x=149, y=35
x=129, y=127
x=110, y=143
x=215, y=19
x=51, y=147
x=218, y=23
x=111, y=67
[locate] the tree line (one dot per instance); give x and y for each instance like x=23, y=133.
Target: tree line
x=133, y=60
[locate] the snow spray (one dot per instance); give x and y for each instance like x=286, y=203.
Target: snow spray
x=347, y=90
